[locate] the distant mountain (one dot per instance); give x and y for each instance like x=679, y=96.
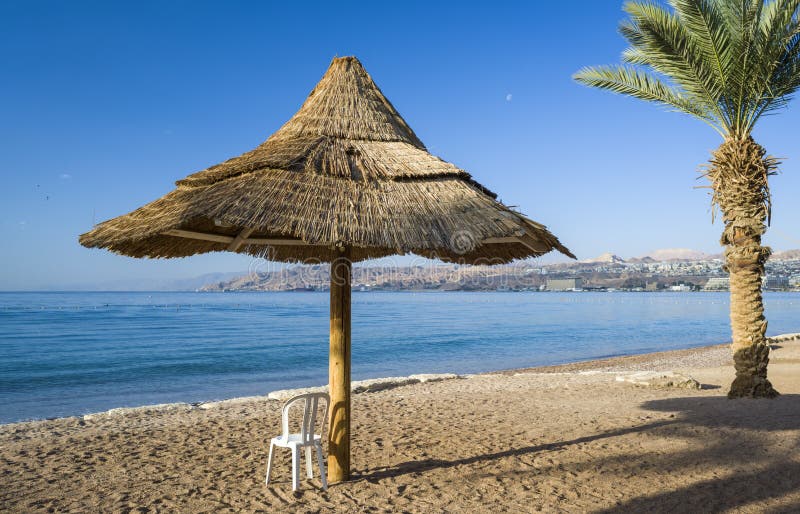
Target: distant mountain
x=676, y=254
x=154, y=284
x=604, y=271
x=194, y=283
x=666, y=255
x=606, y=257
x=788, y=255
x=686, y=254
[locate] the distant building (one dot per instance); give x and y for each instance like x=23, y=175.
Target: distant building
x=794, y=281
x=718, y=284
x=651, y=286
x=564, y=284
x=776, y=282
x=681, y=288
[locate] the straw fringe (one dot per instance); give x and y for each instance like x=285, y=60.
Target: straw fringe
x=345, y=170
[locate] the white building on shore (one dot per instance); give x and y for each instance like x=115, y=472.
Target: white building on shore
x=564, y=284
x=718, y=284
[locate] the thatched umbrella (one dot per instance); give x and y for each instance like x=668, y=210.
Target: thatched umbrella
x=344, y=180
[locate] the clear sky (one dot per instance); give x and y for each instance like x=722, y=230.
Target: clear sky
x=103, y=105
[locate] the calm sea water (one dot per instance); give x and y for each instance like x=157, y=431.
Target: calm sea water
x=71, y=353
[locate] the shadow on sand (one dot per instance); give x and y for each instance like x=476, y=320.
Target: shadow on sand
x=752, y=436
x=748, y=435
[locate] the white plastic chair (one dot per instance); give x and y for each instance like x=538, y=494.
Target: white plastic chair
x=305, y=439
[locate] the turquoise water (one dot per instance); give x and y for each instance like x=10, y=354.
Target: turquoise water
x=71, y=353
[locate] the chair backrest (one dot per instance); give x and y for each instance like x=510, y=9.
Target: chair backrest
x=311, y=404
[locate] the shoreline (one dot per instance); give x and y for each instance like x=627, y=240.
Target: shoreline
x=596, y=436
x=701, y=356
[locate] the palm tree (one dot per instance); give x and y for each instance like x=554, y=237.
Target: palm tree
x=728, y=63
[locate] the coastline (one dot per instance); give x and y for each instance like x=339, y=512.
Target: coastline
x=91, y=358
x=375, y=384
x=701, y=356
x=558, y=438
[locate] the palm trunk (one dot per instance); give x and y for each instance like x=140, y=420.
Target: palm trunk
x=739, y=174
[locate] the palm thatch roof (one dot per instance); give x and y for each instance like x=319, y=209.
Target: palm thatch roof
x=346, y=170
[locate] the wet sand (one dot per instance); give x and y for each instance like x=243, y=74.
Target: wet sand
x=559, y=439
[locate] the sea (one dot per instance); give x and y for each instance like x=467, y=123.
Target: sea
x=65, y=354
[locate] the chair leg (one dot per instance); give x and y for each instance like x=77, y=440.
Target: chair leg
x=321, y=464
x=309, y=468
x=295, y=468
x=269, y=462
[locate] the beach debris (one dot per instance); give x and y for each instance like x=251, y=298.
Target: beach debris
x=434, y=377
x=284, y=394
x=360, y=386
x=123, y=411
x=589, y=372
x=784, y=338
x=381, y=384
x=231, y=402
x=660, y=379
x=367, y=386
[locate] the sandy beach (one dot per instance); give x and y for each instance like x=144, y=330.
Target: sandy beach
x=567, y=438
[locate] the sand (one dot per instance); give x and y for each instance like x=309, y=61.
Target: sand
x=561, y=439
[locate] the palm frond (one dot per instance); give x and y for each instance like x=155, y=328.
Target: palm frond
x=744, y=19
x=635, y=56
x=706, y=24
x=630, y=81
x=780, y=32
x=783, y=81
x=671, y=50
x=727, y=62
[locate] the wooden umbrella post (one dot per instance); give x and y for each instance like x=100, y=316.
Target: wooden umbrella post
x=339, y=370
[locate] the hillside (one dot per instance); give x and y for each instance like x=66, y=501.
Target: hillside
x=604, y=272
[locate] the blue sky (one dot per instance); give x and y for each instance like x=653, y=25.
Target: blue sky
x=103, y=105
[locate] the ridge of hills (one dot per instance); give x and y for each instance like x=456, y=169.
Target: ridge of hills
x=665, y=267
